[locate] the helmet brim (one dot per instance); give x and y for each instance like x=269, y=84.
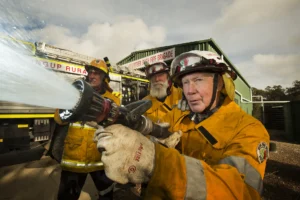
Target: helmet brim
x=176, y=78
x=159, y=72
x=88, y=67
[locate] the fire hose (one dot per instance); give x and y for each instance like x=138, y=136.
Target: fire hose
x=92, y=107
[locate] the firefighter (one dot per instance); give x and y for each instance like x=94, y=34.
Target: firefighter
x=163, y=94
x=222, y=153
x=80, y=156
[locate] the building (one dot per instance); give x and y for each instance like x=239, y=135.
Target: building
x=135, y=60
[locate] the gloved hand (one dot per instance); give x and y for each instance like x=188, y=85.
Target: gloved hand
x=172, y=140
x=183, y=105
x=127, y=155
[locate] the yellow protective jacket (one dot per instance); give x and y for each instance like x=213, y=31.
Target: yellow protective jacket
x=159, y=109
x=222, y=157
x=80, y=152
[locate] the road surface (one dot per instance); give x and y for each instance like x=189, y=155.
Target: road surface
x=36, y=180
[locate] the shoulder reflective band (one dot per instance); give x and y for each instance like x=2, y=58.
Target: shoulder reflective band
x=196, y=183
x=252, y=177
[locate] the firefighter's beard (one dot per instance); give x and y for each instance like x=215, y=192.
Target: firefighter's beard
x=159, y=89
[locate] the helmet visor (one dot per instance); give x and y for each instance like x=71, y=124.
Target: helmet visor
x=191, y=62
x=153, y=69
x=187, y=62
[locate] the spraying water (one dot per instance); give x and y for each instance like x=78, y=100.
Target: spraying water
x=23, y=80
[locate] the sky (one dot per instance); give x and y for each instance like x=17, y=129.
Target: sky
x=261, y=38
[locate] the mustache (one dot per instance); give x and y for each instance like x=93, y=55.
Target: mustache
x=159, y=83
x=164, y=83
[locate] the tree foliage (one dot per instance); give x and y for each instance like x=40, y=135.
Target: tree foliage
x=278, y=93
x=293, y=92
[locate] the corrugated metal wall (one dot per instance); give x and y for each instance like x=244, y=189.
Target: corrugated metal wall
x=245, y=91
x=289, y=132
x=295, y=107
x=274, y=117
x=292, y=120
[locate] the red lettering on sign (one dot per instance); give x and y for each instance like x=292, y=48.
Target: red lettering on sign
x=146, y=60
x=140, y=63
x=78, y=70
x=45, y=64
x=58, y=66
x=73, y=69
x=159, y=57
x=67, y=68
x=153, y=59
x=167, y=55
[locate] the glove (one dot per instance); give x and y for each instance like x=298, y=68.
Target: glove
x=172, y=140
x=183, y=105
x=127, y=155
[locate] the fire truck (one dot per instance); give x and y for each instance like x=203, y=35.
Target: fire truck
x=25, y=130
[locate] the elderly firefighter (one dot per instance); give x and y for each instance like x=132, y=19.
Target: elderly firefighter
x=163, y=94
x=222, y=153
x=80, y=155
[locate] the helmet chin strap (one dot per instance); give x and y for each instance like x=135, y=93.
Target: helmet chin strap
x=214, y=93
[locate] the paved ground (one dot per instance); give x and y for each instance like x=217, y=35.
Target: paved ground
x=36, y=180
x=282, y=178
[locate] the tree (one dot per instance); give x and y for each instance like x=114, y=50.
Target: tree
x=275, y=93
x=258, y=92
x=294, y=92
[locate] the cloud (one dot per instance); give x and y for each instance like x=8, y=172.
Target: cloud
x=115, y=40
x=269, y=69
x=244, y=13
x=178, y=15
x=90, y=28
x=294, y=40
x=245, y=28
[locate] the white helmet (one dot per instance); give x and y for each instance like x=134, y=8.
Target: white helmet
x=155, y=68
x=201, y=61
